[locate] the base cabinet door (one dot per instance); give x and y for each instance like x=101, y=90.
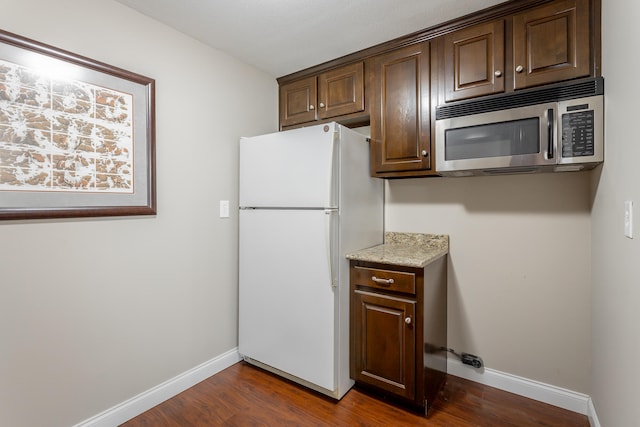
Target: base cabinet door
x=385, y=342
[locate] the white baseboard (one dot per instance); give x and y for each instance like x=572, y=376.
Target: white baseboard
x=146, y=400
x=593, y=417
x=557, y=396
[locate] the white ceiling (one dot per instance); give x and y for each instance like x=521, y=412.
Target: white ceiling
x=284, y=36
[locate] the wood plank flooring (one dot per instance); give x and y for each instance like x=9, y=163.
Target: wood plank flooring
x=243, y=395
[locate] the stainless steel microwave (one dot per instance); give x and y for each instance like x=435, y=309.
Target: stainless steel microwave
x=552, y=136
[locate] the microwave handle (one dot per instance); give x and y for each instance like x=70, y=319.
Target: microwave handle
x=550, y=117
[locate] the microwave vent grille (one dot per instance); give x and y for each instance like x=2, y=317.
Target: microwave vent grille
x=579, y=89
x=507, y=171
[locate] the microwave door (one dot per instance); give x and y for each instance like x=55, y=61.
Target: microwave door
x=513, y=138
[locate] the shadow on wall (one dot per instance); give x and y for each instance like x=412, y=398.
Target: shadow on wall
x=459, y=329
x=559, y=193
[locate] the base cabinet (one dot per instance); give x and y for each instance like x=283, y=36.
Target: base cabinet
x=399, y=330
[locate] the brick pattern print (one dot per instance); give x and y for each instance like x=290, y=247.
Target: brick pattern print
x=61, y=135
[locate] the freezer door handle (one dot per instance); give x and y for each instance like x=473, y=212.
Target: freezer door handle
x=330, y=244
x=332, y=196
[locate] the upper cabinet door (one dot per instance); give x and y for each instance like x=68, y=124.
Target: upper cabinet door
x=551, y=43
x=400, y=119
x=474, y=61
x=341, y=91
x=298, y=101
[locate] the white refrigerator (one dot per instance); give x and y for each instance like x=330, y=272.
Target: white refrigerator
x=306, y=199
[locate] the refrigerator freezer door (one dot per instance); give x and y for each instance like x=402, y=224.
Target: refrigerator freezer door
x=287, y=301
x=295, y=168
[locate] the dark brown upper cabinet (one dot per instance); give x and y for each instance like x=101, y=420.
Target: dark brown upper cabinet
x=474, y=62
x=341, y=91
x=298, y=101
x=335, y=93
x=400, y=119
x=551, y=43
x=547, y=44
x=396, y=86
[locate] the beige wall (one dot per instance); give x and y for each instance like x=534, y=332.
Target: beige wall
x=519, y=273
x=616, y=272
x=95, y=311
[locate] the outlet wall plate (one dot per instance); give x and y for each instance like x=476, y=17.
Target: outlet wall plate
x=224, y=209
x=628, y=219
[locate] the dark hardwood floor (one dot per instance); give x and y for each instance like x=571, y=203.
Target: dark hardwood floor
x=243, y=395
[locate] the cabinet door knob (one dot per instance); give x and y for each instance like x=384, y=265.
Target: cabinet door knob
x=497, y=73
x=407, y=320
x=425, y=153
x=519, y=69
x=382, y=281
x=321, y=105
x=311, y=107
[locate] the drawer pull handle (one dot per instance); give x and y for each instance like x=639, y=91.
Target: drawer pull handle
x=382, y=281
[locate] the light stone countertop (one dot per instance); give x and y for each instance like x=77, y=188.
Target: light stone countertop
x=405, y=249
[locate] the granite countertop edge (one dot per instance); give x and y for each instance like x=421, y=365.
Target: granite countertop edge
x=405, y=249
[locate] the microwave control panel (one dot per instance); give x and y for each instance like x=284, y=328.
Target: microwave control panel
x=578, y=131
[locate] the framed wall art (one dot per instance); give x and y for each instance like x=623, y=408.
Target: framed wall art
x=77, y=136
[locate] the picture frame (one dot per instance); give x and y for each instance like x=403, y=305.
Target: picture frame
x=77, y=136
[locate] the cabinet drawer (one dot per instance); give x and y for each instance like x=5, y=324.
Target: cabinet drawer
x=390, y=280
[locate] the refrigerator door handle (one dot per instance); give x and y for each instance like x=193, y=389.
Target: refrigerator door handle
x=330, y=237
